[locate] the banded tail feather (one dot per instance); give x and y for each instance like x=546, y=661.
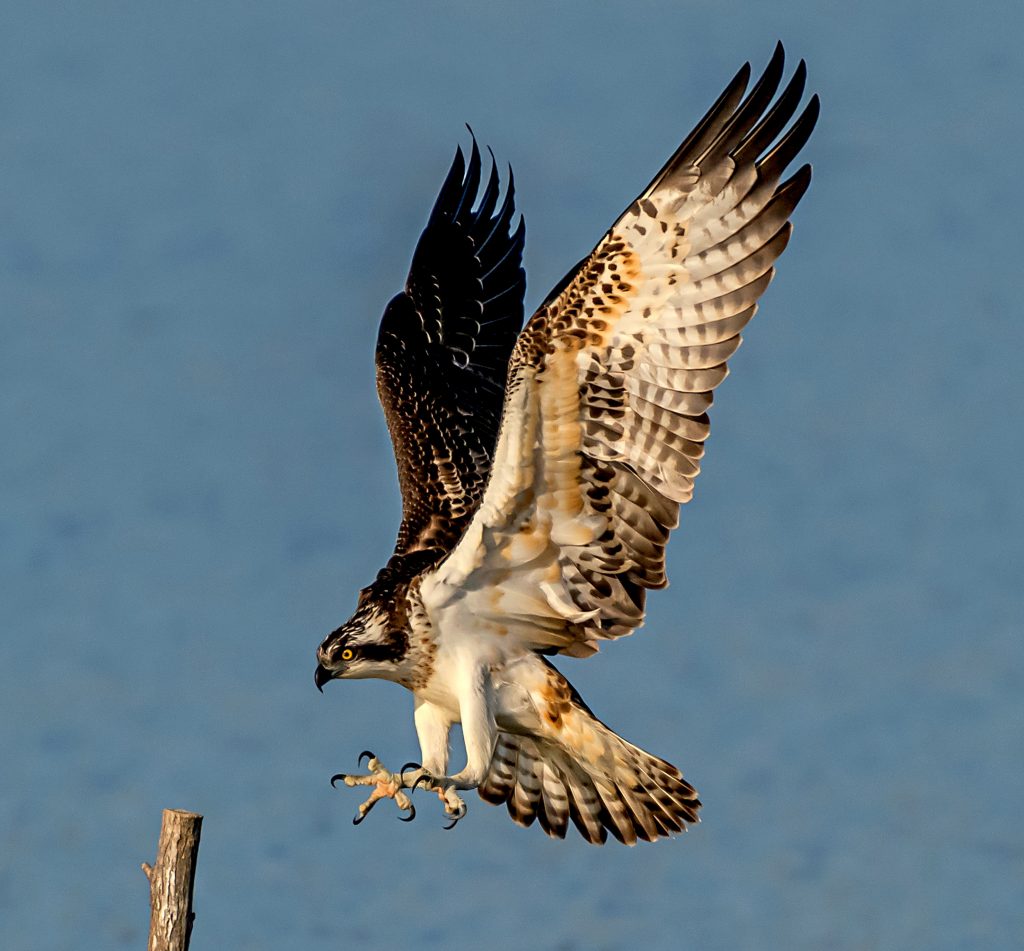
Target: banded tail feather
x=641, y=797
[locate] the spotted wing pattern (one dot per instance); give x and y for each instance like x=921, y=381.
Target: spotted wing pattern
x=443, y=351
x=610, y=383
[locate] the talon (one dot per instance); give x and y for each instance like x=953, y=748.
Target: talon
x=457, y=815
x=388, y=785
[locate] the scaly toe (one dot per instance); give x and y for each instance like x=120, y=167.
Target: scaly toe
x=355, y=779
x=457, y=809
x=364, y=809
x=422, y=780
x=457, y=813
x=454, y=806
x=405, y=804
x=351, y=780
x=399, y=787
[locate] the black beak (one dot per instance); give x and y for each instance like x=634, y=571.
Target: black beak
x=321, y=676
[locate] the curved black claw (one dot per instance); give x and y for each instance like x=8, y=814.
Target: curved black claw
x=454, y=822
x=411, y=816
x=365, y=753
x=422, y=778
x=360, y=817
x=409, y=766
x=336, y=777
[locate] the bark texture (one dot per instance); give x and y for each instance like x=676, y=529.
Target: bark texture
x=171, y=881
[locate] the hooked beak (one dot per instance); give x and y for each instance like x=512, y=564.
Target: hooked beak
x=321, y=676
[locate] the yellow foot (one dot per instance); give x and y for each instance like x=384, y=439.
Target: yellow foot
x=454, y=805
x=386, y=785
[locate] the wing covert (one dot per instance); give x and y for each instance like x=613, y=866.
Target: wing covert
x=610, y=382
x=443, y=350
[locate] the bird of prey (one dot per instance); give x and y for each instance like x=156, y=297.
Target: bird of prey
x=542, y=469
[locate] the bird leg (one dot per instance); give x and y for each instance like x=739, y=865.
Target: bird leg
x=446, y=790
x=386, y=785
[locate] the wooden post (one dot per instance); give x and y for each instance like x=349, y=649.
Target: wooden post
x=171, y=881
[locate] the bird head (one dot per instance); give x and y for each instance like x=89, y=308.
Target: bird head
x=366, y=645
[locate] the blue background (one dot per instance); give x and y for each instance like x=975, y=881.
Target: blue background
x=203, y=208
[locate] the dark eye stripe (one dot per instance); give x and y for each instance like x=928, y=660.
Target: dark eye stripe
x=393, y=650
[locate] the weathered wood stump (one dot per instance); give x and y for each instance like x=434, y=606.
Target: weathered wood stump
x=171, y=881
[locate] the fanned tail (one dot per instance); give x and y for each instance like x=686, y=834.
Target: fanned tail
x=640, y=797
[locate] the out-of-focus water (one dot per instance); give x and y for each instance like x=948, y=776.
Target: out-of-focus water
x=203, y=208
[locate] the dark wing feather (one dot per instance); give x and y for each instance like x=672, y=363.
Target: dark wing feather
x=443, y=351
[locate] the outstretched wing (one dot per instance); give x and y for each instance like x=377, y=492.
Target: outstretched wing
x=443, y=351
x=610, y=382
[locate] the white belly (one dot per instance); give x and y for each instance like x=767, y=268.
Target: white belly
x=509, y=685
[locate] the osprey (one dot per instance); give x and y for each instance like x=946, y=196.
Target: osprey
x=542, y=469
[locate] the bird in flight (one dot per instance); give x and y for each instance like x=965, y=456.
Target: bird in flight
x=542, y=467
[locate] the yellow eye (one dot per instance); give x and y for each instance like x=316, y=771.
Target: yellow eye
x=347, y=654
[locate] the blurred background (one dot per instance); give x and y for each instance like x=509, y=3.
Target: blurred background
x=203, y=209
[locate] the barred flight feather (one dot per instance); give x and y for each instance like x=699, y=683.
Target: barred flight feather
x=610, y=381
x=643, y=798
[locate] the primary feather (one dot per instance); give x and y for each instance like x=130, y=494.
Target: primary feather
x=443, y=350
